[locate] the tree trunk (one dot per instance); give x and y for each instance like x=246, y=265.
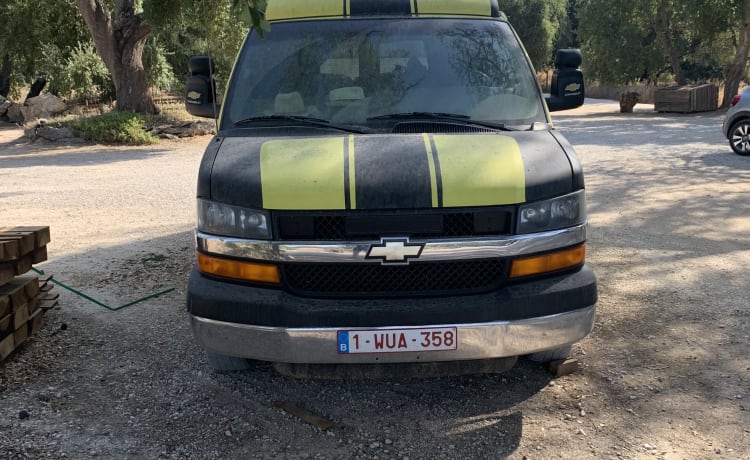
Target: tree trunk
x=5, y=77
x=120, y=39
x=735, y=71
x=664, y=31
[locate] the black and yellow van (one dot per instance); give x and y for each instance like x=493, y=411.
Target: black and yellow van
x=386, y=186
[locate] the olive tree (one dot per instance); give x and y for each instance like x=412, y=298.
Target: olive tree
x=120, y=29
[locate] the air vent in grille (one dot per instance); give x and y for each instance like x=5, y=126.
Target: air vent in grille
x=437, y=127
x=426, y=278
x=352, y=226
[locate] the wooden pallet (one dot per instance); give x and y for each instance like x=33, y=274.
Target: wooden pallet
x=24, y=298
x=20, y=249
x=23, y=302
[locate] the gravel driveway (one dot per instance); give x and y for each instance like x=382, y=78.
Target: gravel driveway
x=665, y=374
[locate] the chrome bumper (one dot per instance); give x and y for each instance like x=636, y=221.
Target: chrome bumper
x=319, y=345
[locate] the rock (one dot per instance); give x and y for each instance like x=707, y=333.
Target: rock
x=53, y=133
x=23, y=415
x=43, y=106
x=197, y=128
x=190, y=129
x=4, y=105
x=15, y=114
x=48, y=132
x=628, y=100
x=563, y=367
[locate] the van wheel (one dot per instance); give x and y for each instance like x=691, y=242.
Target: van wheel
x=223, y=363
x=551, y=355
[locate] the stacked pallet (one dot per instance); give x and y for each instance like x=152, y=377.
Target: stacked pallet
x=24, y=297
x=687, y=99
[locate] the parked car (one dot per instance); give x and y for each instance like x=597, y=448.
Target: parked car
x=386, y=186
x=737, y=123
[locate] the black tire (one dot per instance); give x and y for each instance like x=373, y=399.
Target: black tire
x=222, y=364
x=739, y=137
x=551, y=355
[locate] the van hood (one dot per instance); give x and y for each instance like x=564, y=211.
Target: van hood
x=388, y=171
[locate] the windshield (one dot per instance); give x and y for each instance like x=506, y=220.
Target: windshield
x=370, y=73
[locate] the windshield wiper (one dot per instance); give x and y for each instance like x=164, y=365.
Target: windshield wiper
x=301, y=119
x=455, y=117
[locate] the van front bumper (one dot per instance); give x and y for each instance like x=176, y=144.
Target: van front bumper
x=319, y=345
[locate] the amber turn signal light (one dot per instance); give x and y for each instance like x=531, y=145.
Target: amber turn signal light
x=554, y=261
x=245, y=271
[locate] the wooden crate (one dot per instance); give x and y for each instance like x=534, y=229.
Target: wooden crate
x=687, y=99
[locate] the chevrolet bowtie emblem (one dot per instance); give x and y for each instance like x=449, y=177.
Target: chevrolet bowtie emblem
x=395, y=251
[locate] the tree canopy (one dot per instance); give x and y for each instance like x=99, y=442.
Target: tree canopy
x=90, y=47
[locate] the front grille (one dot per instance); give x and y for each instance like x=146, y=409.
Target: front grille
x=353, y=226
x=426, y=278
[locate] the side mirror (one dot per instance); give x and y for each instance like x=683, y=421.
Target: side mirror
x=567, y=90
x=200, y=88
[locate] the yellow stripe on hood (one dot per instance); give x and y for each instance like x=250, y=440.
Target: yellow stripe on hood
x=303, y=174
x=482, y=170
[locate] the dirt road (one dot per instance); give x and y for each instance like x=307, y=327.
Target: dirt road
x=666, y=372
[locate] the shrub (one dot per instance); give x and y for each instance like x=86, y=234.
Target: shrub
x=159, y=71
x=113, y=128
x=79, y=74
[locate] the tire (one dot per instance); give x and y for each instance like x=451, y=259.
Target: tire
x=739, y=137
x=222, y=364
x=551, y=355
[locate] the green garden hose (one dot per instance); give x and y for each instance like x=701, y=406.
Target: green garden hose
x=91, y=299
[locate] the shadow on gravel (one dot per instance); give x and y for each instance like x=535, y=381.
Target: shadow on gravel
x=637, y=129
x=670, y=243
x=21, y=153
x=133, y=382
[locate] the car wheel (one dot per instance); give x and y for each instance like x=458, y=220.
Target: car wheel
x=551, y=355
x=223, y=363
x=739, y=138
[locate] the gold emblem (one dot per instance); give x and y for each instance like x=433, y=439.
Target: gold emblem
x=572, y=87
x=194, y=95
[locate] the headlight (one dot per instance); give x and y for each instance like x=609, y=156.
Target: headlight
x=223, y=219
x=561, y=212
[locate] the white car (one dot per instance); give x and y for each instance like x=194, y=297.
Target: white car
x=737, y=123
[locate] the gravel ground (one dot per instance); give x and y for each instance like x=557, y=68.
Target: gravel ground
x=665, y=374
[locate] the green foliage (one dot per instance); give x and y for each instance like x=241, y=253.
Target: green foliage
x=78, y=74
x=567, y=32
x=208, y=27
x=29, y=27
x=250, y=12
x=113, y=128
x=537, y=23
x=654, y=39
x=160, y=73
x=619, y=47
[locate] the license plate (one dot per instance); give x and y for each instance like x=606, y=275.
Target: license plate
x=398, y=340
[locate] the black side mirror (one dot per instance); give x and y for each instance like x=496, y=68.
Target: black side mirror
x=200, y=88
x=567, y=90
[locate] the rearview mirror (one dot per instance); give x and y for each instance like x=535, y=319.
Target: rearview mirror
x=200, y=88
x=567, y=90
